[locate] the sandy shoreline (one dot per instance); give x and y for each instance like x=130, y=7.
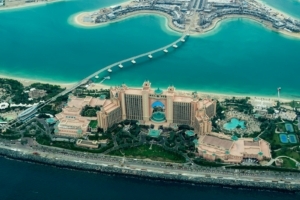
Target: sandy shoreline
x=27, y=81
x=217, y=22
x=282, y=13
x=27, y=5
x=202, y=94
x=78, y=19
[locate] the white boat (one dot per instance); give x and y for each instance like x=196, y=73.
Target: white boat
x=175, y=46
x=133, y=61
x=109, y=70
x=166, y=51
x=182, y=40
x=150, y=56
x=120, y=65
x=96, y=76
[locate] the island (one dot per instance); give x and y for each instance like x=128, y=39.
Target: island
x=194, y=16
x=158, y=133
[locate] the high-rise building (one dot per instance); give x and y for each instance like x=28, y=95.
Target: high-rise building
x=158, y=107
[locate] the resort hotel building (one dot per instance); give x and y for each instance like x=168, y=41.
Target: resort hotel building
x=71, y=123
x=232, y=149
x=157, y=107
x=144, y=104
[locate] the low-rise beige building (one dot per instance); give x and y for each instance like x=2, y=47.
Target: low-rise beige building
x=232, y=149
x=70, y=122
x=36, y=93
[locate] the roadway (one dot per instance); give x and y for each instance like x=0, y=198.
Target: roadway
x=150, y=166
x=85, y=80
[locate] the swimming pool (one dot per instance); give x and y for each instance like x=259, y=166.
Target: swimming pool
x=234, y=122
x=283, y=138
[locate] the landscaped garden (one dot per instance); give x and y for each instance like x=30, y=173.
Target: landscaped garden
x=154, y=153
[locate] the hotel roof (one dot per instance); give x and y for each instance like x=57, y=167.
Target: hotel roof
x=186, y=99
x=218, y=142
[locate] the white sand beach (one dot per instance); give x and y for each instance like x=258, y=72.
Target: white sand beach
x=27, y=5
x=78, y=19
x=27, y=82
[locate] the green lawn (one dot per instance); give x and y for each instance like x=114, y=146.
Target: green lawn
x=156, y=153
x=281, y=127
x=93, y=123
x=272, y=139
x=289, y=153
x=44, y=140
x=11, y=137
x=287, y=163
x=203, y=162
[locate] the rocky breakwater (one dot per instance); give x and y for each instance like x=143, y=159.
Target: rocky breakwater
x=151, y=173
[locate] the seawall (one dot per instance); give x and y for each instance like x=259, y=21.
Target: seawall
x=126, y=171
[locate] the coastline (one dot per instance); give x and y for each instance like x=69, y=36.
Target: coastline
x=184, y=176
x=27, y=81
x=280, y=12
x=202, y=94
x=28, y=5
x=217, y=22
x=78, y=19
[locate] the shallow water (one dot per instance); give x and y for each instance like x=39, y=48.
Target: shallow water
x=239, y=57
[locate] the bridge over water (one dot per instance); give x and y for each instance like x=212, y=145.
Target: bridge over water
x=149, y=54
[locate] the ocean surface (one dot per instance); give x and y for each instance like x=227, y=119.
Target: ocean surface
x=19, y=180
x=291, y=7
x=239, y=57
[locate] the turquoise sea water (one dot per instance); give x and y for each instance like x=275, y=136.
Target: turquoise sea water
x=239, y=57
x=291, y=7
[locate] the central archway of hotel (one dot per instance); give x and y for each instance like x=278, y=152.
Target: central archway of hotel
x=158, y=112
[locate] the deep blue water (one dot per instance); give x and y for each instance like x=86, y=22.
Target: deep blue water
x=19, y=180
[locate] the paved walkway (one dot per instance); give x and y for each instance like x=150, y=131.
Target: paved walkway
x=274, y=159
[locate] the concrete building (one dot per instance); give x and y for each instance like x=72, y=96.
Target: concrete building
x=232, y=149
x=36, y=93
x=157, y=107
x=70, y=122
